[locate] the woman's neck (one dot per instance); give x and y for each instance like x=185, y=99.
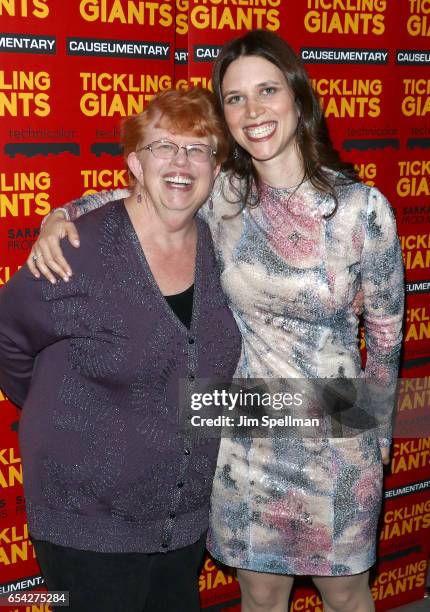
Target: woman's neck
x=280, y=172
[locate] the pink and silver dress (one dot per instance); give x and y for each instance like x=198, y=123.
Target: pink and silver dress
x=306, y=505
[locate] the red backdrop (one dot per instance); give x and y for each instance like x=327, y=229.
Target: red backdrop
x=71, y=70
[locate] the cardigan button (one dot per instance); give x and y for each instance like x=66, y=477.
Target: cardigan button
x=186, y=451
x=180, y=485
x=172, y=515
x=191, y=340
x=191, y=376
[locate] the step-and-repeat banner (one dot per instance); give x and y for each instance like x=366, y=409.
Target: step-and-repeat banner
x=71, y=70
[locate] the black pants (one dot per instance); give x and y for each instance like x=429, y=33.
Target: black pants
x=123, y=582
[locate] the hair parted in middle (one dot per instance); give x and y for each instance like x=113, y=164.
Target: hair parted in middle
x=318, y=155
x=182, y=112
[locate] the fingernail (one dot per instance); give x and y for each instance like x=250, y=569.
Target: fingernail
x=76, y=242
x=53, y=281
x=66, y=279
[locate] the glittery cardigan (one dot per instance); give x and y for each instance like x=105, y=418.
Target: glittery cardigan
x=95, y=363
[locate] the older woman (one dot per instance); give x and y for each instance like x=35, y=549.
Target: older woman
x=117, y=497
x=298, y=238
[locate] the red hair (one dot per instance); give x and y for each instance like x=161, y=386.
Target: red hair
x=181, y=112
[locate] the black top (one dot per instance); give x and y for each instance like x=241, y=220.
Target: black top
x=182, y=305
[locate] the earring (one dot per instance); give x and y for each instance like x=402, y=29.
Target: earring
x=139, y=198
x=236, y=154
x=211, y=203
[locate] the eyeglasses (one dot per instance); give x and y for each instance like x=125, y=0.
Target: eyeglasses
x=164, y=149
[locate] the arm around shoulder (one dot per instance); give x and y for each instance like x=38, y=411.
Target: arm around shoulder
x=46, y=256
x=86, y=204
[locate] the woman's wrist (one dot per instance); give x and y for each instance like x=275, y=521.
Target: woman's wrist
x=64, y=211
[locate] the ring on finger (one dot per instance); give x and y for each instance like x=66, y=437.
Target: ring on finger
x=36, y=256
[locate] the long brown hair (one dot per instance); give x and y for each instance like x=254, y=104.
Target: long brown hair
x=319, y=156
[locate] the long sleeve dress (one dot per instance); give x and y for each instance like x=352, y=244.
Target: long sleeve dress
x=291, y=275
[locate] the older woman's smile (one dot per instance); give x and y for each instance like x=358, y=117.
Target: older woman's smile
x=178, y=180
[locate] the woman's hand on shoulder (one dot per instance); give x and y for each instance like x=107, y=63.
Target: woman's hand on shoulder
x=46, y=256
